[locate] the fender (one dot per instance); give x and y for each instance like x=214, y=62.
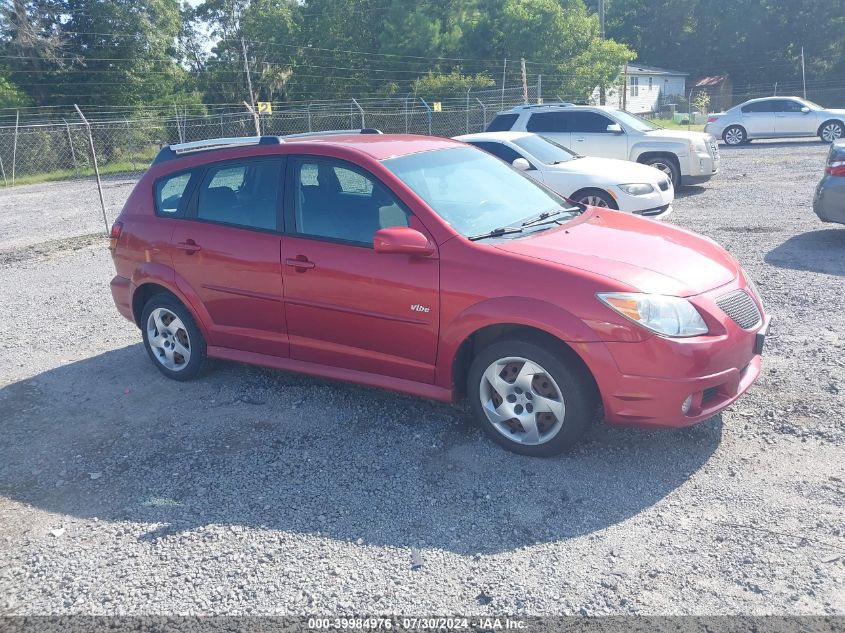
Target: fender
x=678, y=148
x=529, y=312
x=157, y=273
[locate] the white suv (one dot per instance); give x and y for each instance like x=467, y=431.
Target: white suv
x=688, y=158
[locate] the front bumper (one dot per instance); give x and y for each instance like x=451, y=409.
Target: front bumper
x=646, y=383
x=658, y=213
x=654, y=204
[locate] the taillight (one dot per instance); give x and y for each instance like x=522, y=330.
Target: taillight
x=836, y=168
x=712, y=119
x=116, y=230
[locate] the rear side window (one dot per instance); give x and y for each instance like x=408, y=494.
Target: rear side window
x=170, y=194
x=548, y=122
x=502, y=123
x=759, y=106
x=243, y=194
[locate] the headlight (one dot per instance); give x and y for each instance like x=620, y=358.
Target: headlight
x=670, y=316
x=698, y=146
x=637, y=188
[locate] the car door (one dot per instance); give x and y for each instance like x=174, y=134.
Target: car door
x=227, y=254
x=758, y=118
x=347, y=305
x=553, y=125
x=791, y=120
x=590, y=136
x=509, y=154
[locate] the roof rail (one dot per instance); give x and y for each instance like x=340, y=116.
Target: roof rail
x=363, y=130
x=179, y=149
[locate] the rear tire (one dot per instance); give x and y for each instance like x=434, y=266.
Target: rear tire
x=735, y=135
x=531, y=399
x=595, y=198
x=171, y=337
x=831, y=131
x=668, y=166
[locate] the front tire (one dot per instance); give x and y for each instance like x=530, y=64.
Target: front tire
x=831, y=131
x=173, y=341
x=595, y=198
x=735, y=135
x=529, y=399
x=668, y=166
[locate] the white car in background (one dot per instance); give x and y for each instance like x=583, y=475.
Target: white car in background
x=776, y=117
x=598, y=182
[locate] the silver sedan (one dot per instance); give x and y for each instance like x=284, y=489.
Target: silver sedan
x=776, y=117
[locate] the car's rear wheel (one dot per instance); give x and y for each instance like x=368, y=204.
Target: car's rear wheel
x=668, y=166
x=595, y=198
x=172, y=338
x=529, y=399
x=734, y=135
x=831, y=131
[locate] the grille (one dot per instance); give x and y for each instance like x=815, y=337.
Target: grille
x=663, y=184
x=709, y=393
x=741, y=308
x=655, y=211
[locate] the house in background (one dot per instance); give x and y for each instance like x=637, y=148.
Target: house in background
x=720, y=90
x=649, y=88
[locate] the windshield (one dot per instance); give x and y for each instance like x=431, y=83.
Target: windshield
x=472, y=190
x=544, y=150
x=633, y=121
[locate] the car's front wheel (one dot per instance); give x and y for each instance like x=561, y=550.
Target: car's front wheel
x=734, y=135
x=831, y=131
x=530, y=399
x=668, y=166
x=172, y=338
x=595, y=198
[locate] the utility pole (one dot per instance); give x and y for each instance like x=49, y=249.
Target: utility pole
x=602, y=95
x=803, y=76
x=246, y=69
x=625, y=87
x=524, y=84
x=504, y=68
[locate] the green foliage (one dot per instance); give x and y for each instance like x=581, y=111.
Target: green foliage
x=453, y=84
x=11, y=96
x=701, y=102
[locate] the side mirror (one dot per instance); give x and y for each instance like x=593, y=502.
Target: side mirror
x=805, y=109
x=614, y=128
x=521, y=164
x=402, y=240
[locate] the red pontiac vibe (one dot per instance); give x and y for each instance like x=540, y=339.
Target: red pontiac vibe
x=429, y=267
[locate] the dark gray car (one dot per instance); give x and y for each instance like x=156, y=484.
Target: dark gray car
x=829, y=201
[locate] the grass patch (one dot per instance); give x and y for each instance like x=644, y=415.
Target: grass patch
x=123, y=166
x=669, y=124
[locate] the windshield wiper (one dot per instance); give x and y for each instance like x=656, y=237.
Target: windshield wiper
x=502, y=230
x=543, y=216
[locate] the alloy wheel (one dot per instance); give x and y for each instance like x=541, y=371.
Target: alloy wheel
x=522, y=401
x=734, y=136
x=665, y=168
x=594, y=201
x=831, y=132
x=168, y=339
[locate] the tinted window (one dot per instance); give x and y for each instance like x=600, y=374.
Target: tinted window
x=788, y=105
x=502, y=122
x=334, y=200
x=243, y=194
x=499, y=150
x=545, y=150
x=760, y=106
x=547, y=122
x=170, y=192
x=589, y=122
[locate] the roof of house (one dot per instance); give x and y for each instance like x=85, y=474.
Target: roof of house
x=635, y=67
x=715, y=80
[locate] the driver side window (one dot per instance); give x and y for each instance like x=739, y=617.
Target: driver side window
x=337, y=201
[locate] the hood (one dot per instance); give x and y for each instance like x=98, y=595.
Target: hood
x=686, y=135
x=837, y=111
x=623, y=171
x=649, y=256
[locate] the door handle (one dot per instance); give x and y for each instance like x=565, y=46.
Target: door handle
x=189, y=246
x=301, y=264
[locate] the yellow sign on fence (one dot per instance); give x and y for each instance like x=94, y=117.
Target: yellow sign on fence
x=265, y=107
x=437, y=106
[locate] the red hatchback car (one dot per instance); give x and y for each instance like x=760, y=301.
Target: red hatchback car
x=429, y=267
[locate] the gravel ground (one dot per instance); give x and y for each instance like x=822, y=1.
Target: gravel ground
x=255, y=491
